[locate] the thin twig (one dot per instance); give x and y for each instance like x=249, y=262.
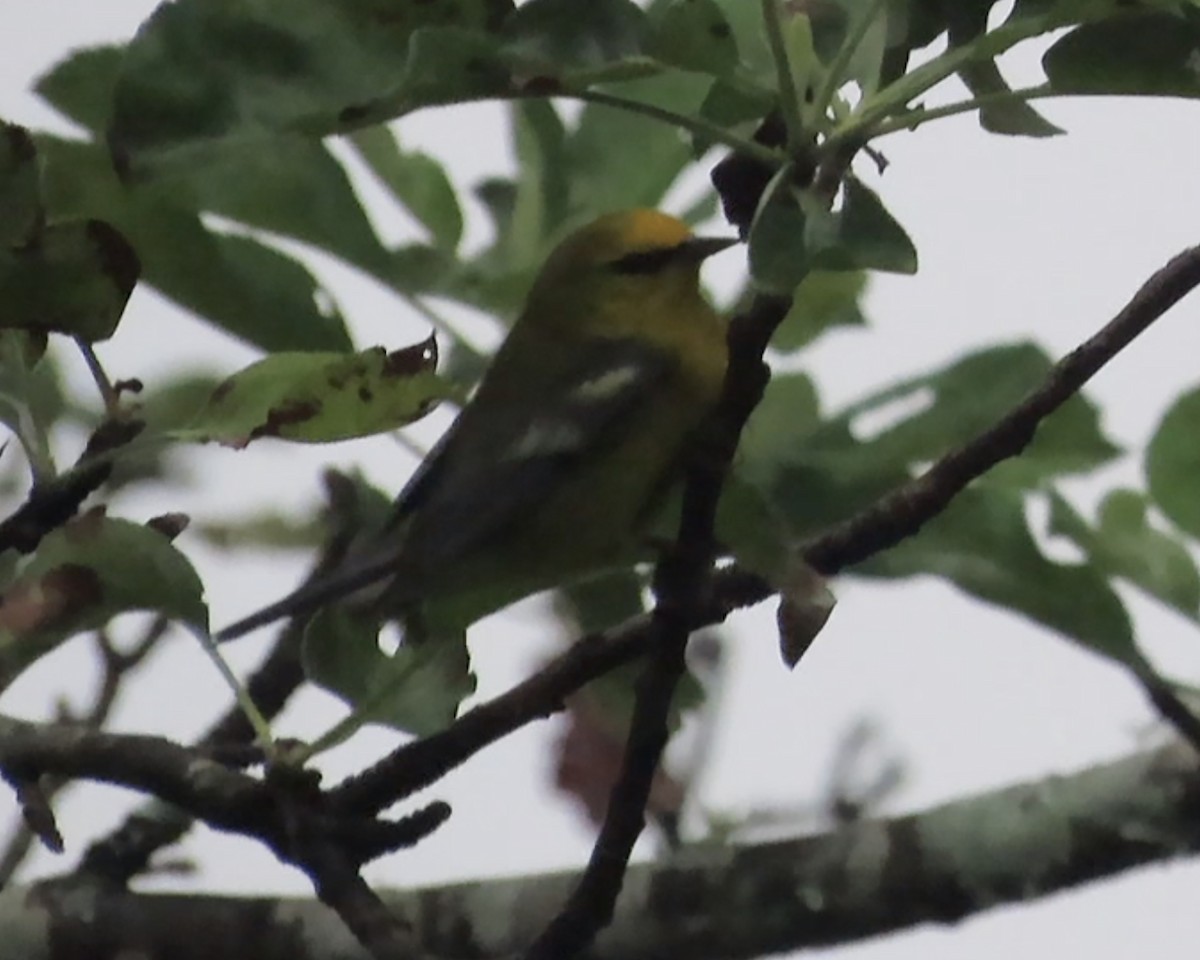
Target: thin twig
x=116, y=666
x=52, y=502
x=126, y=852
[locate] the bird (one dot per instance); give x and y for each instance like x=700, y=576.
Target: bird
x=553, y=469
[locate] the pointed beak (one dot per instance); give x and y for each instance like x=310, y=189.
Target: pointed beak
x=701, y=248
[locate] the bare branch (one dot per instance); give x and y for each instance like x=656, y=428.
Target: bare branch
x=116, y=666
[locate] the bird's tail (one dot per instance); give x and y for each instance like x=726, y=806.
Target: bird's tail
x=310, y=597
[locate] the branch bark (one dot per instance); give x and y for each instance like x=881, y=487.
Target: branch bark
x=719, y=902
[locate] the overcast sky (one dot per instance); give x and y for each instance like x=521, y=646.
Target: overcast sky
x=1017, y=239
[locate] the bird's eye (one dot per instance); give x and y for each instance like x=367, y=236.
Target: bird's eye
x=645, y=261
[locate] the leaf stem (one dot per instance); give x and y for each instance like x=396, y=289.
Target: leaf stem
x=28, y=428
x=260, y=724
x=836, y=74
x=696, y=125
x=785, y=78
x=885, y=106
x=911, y=119
x=107, y=393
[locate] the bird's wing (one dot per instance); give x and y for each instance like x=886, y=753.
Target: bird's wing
x=471, y=487
x=494, y=464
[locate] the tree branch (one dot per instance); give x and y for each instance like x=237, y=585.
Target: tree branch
x=285, y=812
x=115, y=666
x=718, y=902
x=126, y=852
x=903, y=512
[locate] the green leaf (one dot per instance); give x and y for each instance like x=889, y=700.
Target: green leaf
x=596, y=604
x=238, y=284
x=694, y=35
x=417, y=689
x=84, y=574
x=444, y=66
x=777, y=250
x=867, y=236
x=73, y=277
x=292, y=186
x=574, y=43
x=964, y=399
x=31, y=391
x=830, y=23
x=416, y=180
x=541, y=203
x=1136, y=54
x=753, y=531
x=82, y=85
x=1173, y=464
x=788, y=411
x=815, y=474
x=321, y=397
x=824, y=476
x=982, y=544
x=21, y=213
x=200, y=72
x=793, y=234
x=1012, y=117
x=746, y=22
x=1124, y=544
x=420, y=268
x=731, y=103
x=620, y=159
x=824, y=299
x=288, y=184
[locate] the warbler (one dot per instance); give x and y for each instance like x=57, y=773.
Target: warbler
x=554, y=467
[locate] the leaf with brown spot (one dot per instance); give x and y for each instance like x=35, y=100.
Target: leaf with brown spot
x=73, y=277
x=83, y=575
x=322, y=397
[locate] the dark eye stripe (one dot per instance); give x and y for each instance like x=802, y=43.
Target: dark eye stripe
x=645, y=261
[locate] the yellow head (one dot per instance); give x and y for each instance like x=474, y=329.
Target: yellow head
x=620, y=272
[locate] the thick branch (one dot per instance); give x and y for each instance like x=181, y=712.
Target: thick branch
x=285, y=812
x=708, y=903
